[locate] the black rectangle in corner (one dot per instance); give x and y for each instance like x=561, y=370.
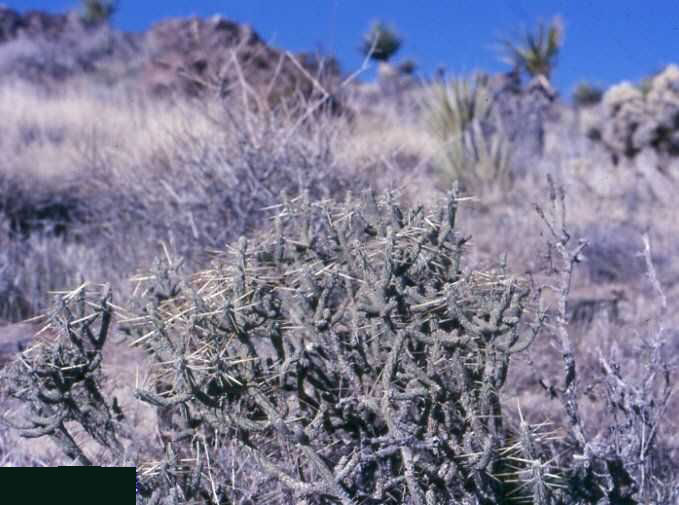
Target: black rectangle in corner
x=71, y=484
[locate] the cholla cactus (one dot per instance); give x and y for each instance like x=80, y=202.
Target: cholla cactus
x=348, y=355
x=381, y=42
x=620, y=94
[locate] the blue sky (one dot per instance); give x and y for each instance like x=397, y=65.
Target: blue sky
x=606, y=41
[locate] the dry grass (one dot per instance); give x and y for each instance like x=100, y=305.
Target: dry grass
x=94, y=184
x=55, y=135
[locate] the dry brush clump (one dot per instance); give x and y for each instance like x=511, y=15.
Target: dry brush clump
x=621, y=460
x=51, y=49
x=94, y=203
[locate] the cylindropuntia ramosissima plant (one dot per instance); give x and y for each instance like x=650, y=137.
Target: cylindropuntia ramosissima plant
x=347, y=354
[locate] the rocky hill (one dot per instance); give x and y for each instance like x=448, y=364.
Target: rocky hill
x=188, y=55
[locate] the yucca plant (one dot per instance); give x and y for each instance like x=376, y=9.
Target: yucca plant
x=473, y=146
x=537, y=53
x=381, y=42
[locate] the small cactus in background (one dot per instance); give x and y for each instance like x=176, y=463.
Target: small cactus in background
x=381, y=42
x=587, y=95
x=536, y=55
x=97, y=12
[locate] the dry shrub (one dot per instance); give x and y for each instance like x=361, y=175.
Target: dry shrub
x=95, y=203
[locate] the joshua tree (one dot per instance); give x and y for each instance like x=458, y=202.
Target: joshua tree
x=537, y=53
x=381, y=42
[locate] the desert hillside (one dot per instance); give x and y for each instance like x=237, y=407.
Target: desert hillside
x=404, y=290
